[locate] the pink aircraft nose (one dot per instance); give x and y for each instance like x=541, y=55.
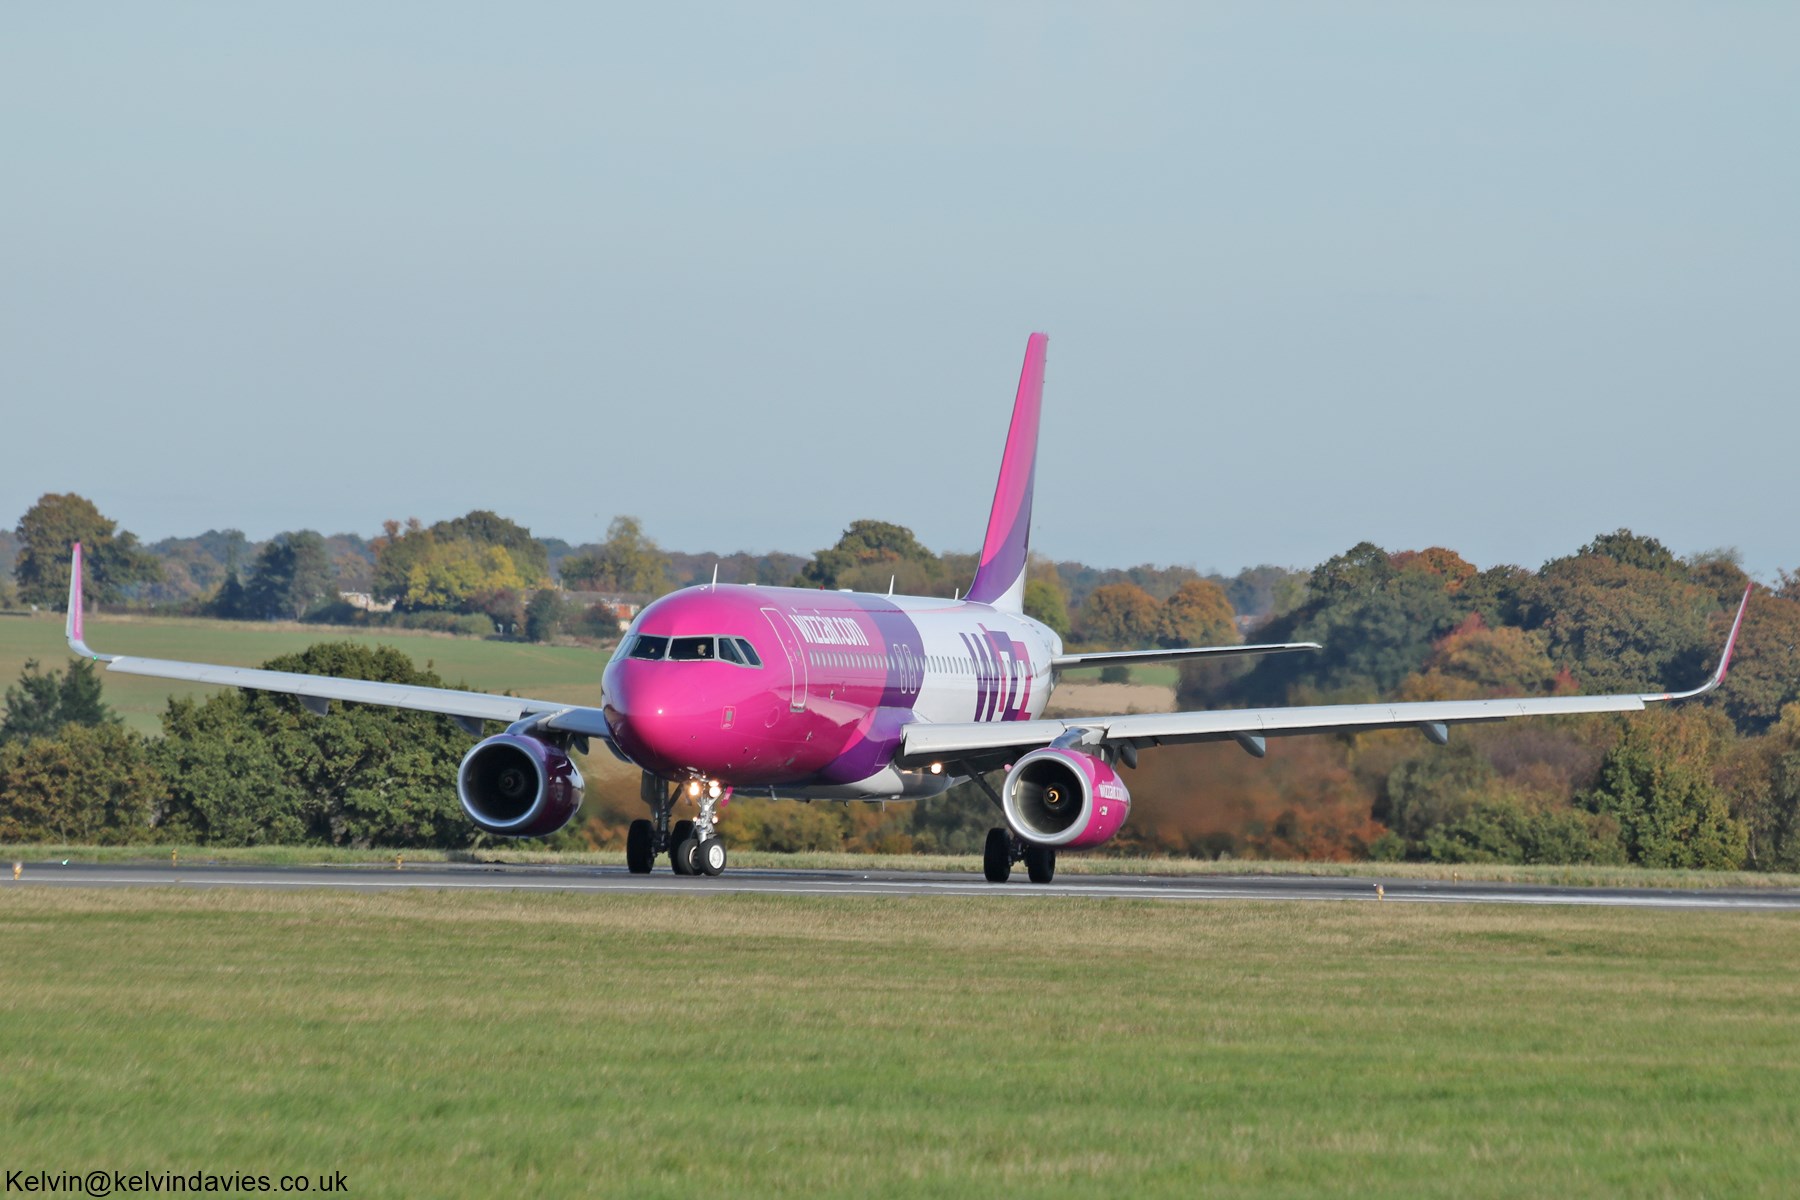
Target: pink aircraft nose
x=656, y=711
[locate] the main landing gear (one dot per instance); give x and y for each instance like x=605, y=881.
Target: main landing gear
x=694, y=847
x=1004, y=848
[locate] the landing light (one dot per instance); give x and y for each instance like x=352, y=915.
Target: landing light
x=937, y=768
x=694, y=788
x=712, y=789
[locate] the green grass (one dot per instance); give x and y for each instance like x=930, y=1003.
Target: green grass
x=1067, y=864
x=546, y=1045
x=542, y=672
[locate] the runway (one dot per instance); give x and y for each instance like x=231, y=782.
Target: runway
x=509, y=877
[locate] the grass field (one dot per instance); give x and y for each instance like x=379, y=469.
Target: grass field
x=481, y=1045
x=542, y=672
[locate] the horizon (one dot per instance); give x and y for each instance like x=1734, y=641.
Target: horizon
x=1208, y=570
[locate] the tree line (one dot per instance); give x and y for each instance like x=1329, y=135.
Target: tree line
x=486, y=575
x=1715, y=783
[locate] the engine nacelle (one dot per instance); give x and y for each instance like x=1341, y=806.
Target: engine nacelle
x=1064, y=798
x=518, y=786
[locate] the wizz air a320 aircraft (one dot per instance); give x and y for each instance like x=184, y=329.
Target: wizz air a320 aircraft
x=818, y=695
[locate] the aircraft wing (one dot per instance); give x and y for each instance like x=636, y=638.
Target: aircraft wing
x=1125, y=658
x=975, y=746
x=469, y=709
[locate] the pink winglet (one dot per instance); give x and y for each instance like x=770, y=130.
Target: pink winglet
x=1737, y=624
x=1718, y=675
x=75, y=631
x=72, y=628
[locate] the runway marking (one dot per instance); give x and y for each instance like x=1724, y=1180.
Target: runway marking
x=754, y=885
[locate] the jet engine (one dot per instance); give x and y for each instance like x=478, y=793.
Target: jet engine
x=518, y=786
x=1057, y=797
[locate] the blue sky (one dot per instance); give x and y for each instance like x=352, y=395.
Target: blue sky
x=1494, y=278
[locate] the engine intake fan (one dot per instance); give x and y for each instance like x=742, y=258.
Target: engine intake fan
x=518, y=786
x=1059, y=797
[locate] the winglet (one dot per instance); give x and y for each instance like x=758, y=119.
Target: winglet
x=72, y=627
x=1718, y=675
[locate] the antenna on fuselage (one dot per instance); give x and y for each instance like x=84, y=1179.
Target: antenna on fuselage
x=891, y=579
x=715, y=581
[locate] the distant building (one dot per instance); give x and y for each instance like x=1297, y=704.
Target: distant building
x=366, y=602
x=621, y=608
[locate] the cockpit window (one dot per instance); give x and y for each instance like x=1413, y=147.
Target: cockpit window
x=649, y=646
x=691, y=649
x=735, y=650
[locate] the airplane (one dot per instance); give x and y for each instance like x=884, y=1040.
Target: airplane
x=721, y=689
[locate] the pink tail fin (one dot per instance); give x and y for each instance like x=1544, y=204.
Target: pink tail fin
x=1000, y=579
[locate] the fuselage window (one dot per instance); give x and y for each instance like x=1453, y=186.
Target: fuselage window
x=691, y=649
x=649, y=646
x=750, y=655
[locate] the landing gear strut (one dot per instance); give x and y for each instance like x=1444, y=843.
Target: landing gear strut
x=1003, y=849
x=694, y=847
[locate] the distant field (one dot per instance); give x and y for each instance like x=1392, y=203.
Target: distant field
x=543, y=672
x=548, y=1045
x=1155, y=674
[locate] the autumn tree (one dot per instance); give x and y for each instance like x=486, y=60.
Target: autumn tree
x=1473, y=661
x=1198, y=614
x=870, y=553
x=1377, y=624
x=483, y=528
x=112, y=560
x=1765, y=669
x=1265, y=590
x=436, y=568
x=627, y=561
x=1448, y=565
x=85, y=784
x=1761, y=780
x=1044, y=602
x=1623, y=627
x=1657, y=783
x=1119, y=616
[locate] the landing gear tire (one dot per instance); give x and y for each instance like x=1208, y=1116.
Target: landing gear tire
x=996, y=856
x=686, y=856
x=1040, y=863
x=680, y=836
x=640, y=843
x=710, y=856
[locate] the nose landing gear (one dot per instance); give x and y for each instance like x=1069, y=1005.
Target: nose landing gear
x=694, y=847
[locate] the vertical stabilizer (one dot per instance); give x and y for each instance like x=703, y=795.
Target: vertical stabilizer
x=1000, y=579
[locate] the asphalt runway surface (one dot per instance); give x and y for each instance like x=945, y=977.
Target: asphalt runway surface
x=454, y=877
